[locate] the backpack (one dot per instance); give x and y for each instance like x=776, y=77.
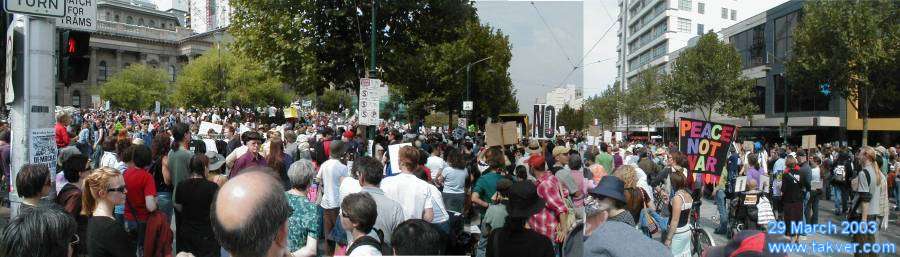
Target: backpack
x=840, y=173
x=366, y=240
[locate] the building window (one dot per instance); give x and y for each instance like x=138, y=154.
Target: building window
x=784, y=30
x=102, y=71
x=734, y=15
x=684, y=5
x=699, y=29
x=76, y=99
x=684, y=25
x=163, y=25
x=129, y=20
x=141, y=22
x=701, y=8
x=107, y=15
x=117, y=18
x=153, y=23
x=724, y=13
x=760, y=98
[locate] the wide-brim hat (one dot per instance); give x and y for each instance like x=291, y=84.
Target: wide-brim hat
x=523, y=200
x=560, y=150
x=533, y=147
x=216, y=160
x=610, y=186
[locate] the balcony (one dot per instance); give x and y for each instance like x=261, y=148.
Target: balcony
x=122, y=29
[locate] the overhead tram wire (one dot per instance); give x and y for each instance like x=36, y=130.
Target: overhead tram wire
x=588, y=53
x=553, y=35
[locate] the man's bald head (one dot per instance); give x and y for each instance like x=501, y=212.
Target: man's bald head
x=248, y=212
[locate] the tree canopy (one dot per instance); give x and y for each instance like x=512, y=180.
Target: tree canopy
x=854, y=47
x=708, y=77
x=605, y=107
x=136, y=87
x=644, y=101
x=221, y=77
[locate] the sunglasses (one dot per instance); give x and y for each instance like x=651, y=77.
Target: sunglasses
x=120, y=189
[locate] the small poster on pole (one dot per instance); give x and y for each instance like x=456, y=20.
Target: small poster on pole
x=809, y=142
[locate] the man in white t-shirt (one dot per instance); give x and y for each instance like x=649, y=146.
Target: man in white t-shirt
x=413, y=194
x=435, y=163
x=330, y=174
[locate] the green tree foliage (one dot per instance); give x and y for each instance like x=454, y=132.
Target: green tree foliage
x=707, y=77
x=572, y=119
x=854, y=46
x=137, y=87
x=221, y=77
x=604, y=107
x=315, y=45
x=334, y=100
x=644, y=101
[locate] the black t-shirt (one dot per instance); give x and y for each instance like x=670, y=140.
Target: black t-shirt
x=195, y=197
x=526, y=243
x=107, y=238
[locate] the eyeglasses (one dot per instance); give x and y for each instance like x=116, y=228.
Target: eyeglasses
x=120, y=189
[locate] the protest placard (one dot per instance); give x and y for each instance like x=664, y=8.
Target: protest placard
x=809, y=142
x=705, y=144
x=394, y=153
x=496, y=134
x=206, y=126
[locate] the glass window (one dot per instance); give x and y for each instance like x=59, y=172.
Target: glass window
x=117, y=18
x=102, y=71
x=684, y=5
x=684, y=25
x=733, y=15
x=172, y=73
x=153, y=23
x=107, y=15
x=724, y=13
x=699, y=29
x=141, y=22
x=701, y=8
x=129, y=20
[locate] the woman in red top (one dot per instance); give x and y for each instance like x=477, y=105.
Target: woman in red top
x=141, y=191
x=62, y=135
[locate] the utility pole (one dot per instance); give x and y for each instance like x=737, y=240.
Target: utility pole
x=370, y=130
x=33, y=81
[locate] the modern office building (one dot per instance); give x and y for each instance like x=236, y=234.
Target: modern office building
x=650, y=30
x=207, y=15
x=134, y=32
x=764, y=41
x=570, y=95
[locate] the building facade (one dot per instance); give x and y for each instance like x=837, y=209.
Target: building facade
x=568, y=95
x=134, y=34
x=764, y=42
x=208, y=15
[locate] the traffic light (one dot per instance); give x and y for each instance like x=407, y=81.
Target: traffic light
x=74, y=56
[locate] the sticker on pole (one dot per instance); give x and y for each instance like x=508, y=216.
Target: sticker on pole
x=80, y=15
x=467, y=106
x=45, y=8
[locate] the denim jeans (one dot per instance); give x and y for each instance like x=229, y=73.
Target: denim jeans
x=480, y=249
x=813, y=204
x=722, y=205
x=837, y=197
x=164, y=201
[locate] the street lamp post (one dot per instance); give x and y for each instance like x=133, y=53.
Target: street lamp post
x=468, y=68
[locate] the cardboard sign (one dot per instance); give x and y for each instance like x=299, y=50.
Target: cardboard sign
x=763, y=184
x=740, y=184
x=809, y=142
x=607, y=136
x=594, y=131
x=705, y=144
x=497, y=134
x=206, y=126
x=394, y=153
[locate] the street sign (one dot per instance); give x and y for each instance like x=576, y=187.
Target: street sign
x=80, y=15
x=45, y=8
x=372, y=89
x=467, y=105
x=461, y=122
x=368, y=113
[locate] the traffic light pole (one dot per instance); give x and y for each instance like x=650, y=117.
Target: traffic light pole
x=31, y=117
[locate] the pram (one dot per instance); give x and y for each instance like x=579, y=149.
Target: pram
x=744, y=211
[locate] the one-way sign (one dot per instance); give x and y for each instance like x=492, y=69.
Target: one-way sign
x=46, y=8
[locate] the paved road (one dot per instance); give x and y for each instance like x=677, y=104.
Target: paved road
x=709, y=220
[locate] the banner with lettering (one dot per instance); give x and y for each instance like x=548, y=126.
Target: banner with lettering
x=705, y=144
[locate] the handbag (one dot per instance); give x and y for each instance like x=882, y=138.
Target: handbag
x=567, y=219
x=651, y=220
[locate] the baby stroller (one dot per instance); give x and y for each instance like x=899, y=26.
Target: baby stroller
x=744, y=212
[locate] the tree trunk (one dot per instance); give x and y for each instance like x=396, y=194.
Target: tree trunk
x=865, y=116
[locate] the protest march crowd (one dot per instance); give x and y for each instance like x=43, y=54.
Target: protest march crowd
x=247, y=182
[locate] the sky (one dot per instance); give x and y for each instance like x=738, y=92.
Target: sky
x=545, y=51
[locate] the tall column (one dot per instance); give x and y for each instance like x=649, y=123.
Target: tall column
x=119, y=60
x=92, y=71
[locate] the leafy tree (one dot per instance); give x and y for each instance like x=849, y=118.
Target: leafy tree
x=605, y=107
x=221, y=77
x=707, y=77
x=643, y=103
x=137, y=87
x=854, y=46
x=334, y=100
x=572, y=119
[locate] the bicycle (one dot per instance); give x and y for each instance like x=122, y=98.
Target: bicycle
x=700, y=238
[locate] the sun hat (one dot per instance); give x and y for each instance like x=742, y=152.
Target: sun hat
x=523, y=200
x=610, y=186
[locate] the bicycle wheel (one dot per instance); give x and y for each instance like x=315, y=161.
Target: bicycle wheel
x=702, y=241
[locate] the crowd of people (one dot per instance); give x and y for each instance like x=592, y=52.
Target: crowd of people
x=154, y=184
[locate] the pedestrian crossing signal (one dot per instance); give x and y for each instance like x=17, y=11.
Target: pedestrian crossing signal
x=74, y=61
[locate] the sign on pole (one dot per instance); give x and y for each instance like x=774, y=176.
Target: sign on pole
x=80, y=15
x=705, y=144
x=45, y=8
x=544, y=125
x=156, y=107
x=368, y=113
x=467, y=105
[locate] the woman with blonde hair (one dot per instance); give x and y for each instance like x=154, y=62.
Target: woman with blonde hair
x=634, y=196
x=105, y=188
x=870, y=186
